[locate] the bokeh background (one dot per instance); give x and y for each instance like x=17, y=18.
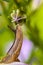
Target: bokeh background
x=32, y=27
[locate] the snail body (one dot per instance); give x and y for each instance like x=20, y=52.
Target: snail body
x=14, y=51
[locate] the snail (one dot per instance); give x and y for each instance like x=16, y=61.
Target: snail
x=14, y=51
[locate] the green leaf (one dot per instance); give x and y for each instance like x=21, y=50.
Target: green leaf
x=35, y=25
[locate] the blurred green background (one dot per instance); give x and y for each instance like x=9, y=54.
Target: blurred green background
x=33, y=24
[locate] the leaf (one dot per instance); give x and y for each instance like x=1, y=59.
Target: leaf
x=35, y=23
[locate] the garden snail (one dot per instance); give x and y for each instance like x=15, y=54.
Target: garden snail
x=14, y=51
